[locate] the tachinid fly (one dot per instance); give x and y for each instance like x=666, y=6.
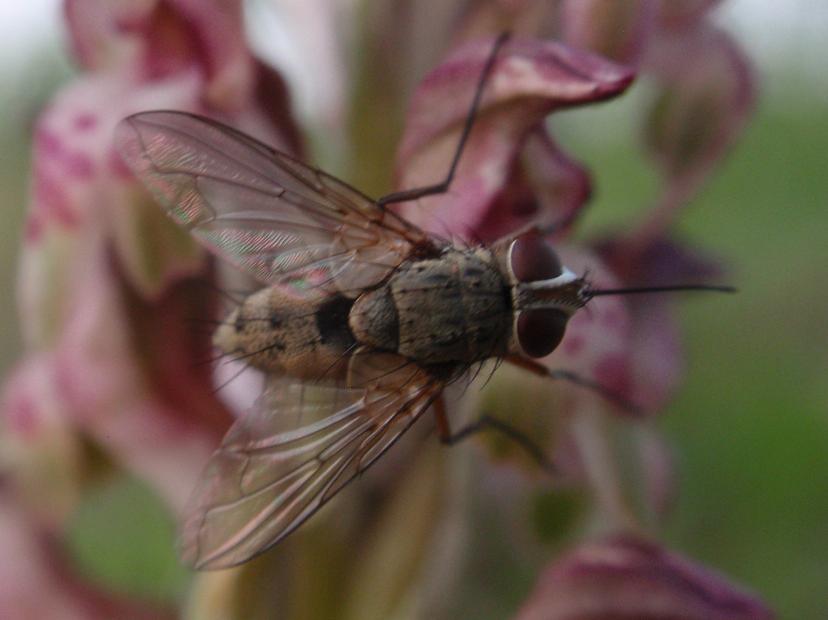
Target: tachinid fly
x=363, y=320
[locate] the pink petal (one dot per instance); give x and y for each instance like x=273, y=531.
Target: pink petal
x=615, y=29
x=624, y=577
x=154, y=39
x=706, y=95
x=219, y=44
x=72, y=206
x=658, y=358
x=103, y=271
x=73, y=158
x=530, y=79
x=81, y=183
x=630, y=345
x=545, y=188
x=96, y=33
x=127, y=372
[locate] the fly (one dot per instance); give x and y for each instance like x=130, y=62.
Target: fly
x=362, y=321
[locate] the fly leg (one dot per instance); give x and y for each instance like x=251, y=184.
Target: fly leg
x=576, y=379
x=486, y=422
x=442, y=187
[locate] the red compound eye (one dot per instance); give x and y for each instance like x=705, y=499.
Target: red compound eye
x=532, y=258
x=540, y=330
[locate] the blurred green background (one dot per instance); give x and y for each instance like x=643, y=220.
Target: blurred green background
x=751, y=424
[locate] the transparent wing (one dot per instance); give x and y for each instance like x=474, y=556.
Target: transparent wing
x=261, y=210
x=298, y=446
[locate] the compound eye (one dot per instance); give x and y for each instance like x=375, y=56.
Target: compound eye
x=540, y=330
x=531, y=258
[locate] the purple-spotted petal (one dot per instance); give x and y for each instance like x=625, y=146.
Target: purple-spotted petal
x=625, y=577
x=616, y=29
x=74, y=161
x=83, y=199
x=102, y=292
x=80, y=183
x=530, y=79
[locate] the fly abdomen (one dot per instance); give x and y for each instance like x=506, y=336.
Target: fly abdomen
x=300, y=336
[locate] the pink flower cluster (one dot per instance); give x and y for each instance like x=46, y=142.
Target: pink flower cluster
x=107, y=286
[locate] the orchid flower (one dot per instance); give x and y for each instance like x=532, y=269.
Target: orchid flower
x=108, y=287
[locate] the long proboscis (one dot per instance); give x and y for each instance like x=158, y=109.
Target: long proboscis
x=639, y=290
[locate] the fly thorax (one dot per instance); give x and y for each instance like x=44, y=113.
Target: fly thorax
x=453, y=309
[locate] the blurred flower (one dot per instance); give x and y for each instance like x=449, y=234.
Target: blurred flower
x=512, y=174
x=107, y=286
x=39, y=446
x=100, y=258
x=704, y=95
x=619, y=30
x=622, y=578
x=656, y=353
x=704, y=98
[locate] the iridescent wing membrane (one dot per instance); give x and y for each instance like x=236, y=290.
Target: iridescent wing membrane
x=297, y=447
x=261, y=210
x=277, y=219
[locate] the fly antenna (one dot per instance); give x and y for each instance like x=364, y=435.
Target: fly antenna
x=640, y=290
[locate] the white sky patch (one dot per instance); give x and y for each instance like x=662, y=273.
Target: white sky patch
x=781, y=37
x=26, y=27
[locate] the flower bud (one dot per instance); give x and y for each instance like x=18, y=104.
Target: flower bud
x=624, y=577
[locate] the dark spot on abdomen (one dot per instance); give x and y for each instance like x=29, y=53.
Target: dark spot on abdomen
x=332, y=322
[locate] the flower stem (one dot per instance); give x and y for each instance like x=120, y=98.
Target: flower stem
x=589, y=428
